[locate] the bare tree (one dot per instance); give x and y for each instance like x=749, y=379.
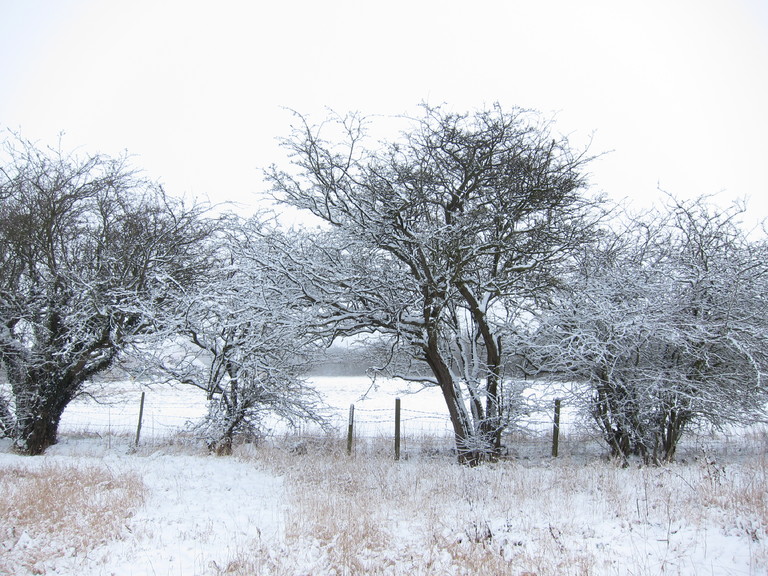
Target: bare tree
x=665, y=323
x=86, y=246
x=242, y=338
x=438, y=238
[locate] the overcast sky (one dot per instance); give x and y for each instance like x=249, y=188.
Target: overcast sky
x=677, y=90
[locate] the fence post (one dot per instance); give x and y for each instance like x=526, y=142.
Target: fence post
x=141, y=415
x=397, y=428
x=350, y=429
x=556, y=429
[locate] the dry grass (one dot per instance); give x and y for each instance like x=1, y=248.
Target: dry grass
x=366, y=514
x=426, y=515
x=60, y=510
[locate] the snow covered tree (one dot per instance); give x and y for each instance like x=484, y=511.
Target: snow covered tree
x=438, y=237
x=240, y=336
x=7, y=423
x=85, y=247
x=666, y=324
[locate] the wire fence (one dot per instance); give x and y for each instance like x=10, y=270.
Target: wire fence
x=171, y=412
x=174, y=410
x=114, y=408
x=163, y=417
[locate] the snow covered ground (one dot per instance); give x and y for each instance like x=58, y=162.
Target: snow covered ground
x=198, y=510
x=113, y=409
x=307, y=508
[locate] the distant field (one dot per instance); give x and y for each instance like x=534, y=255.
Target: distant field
x=112, y=408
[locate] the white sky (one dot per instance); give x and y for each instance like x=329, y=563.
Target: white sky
x=676, y=89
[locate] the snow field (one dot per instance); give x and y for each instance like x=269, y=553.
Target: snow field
x=276, y=509
x=297, y=505
x=367, y=515
x=112, y=409
x=192, y=512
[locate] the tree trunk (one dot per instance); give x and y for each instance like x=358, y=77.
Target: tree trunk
x=609, y=418
x=491, y=425
x=471, y=447
x=40, y=402
x=222, y=446
x=672, y=426
x=37, y=429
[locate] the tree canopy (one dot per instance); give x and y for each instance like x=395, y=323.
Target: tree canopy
x=86, y=248
x=664, y=320
x=438, y=238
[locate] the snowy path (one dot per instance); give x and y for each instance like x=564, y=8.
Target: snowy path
x=201, y=510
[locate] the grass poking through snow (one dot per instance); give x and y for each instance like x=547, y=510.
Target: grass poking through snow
x=425, y=515
x=366, y=514
x=57, y=510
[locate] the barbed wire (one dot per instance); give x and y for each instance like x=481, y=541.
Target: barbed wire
x=166, y=416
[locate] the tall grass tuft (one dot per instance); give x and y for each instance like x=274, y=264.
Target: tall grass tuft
x=59, y=510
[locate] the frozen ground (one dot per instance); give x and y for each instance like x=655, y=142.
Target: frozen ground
x=297, y=509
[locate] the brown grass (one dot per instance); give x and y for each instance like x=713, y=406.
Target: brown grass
x=60, y=510
x=531, y=515
x=366, y=514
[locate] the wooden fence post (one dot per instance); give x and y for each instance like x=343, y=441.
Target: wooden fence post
x=351, y=428
x=556, y=429
x=141, y=415
x=397, y=428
